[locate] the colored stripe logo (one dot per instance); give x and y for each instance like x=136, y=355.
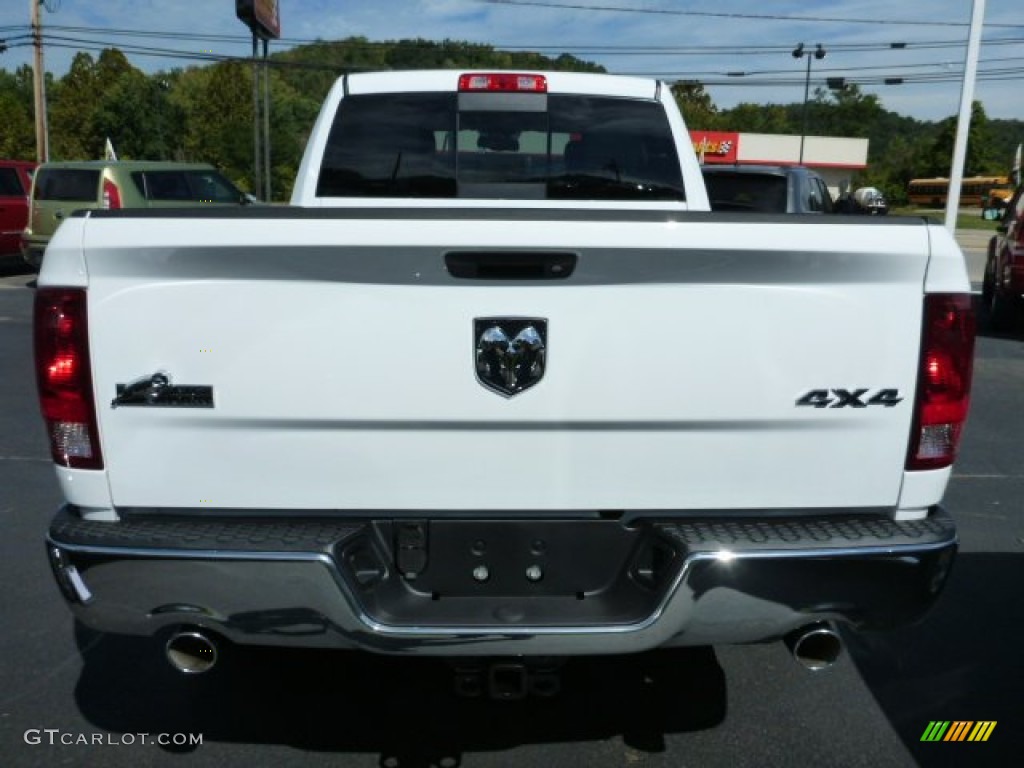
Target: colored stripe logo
x=958, y=730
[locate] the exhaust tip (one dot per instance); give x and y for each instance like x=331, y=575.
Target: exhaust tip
x=815, y=647
x=191, y=652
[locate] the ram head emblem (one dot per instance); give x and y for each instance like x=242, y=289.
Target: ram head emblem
x=511, y=352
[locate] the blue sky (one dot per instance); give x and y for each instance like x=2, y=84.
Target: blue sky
x=740, y=48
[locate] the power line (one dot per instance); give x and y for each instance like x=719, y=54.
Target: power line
x=163, y=34
x=1008, y=75
x=60, y=41
x=63, y=41
x=201, y=56
x=94, y=40
x=845, y=69
x=784, y=79
x=745, y=16
x=584, y=47
x=604, y=50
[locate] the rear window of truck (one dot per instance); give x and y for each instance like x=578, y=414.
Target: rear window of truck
x=761, y=193
x=563, y=147
x=197, y=186
x=67, y=184
x=10, y=184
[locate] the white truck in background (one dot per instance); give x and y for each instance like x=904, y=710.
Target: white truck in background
x=499, y=386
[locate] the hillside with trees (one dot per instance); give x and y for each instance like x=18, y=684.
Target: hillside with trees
x=205, y=113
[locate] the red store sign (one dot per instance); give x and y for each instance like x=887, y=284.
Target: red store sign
x=715, y=146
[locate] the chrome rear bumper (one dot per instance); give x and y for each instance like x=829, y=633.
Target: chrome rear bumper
x=310, y=583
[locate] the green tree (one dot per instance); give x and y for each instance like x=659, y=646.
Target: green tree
x=759, y=118
x=216, y=107
x=699, y=111
x=1004, y=137
x=72, y=102
x=88, y=101
x=291, y=117
x=17, y=139
x=846, y=111
x=136, y=114
x=111, y=65
x=978, y=160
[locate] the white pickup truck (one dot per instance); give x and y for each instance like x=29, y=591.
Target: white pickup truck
x=497, y=385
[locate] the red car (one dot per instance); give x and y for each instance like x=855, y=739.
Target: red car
x=15, y=183
x=1003, y=286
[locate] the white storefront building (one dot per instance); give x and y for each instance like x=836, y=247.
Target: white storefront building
x=836, y=159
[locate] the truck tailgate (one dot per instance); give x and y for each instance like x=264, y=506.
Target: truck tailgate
x=693, y=362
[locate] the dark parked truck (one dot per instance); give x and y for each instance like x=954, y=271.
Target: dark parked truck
x=767, y=189
x=499, y=385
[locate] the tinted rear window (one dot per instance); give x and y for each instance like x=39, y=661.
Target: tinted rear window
x=185, y=186
x=543, y=146
x=67, y=184
x=10, y=184
x=760, y=192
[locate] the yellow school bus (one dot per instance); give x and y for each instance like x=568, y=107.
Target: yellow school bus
x=975, y=191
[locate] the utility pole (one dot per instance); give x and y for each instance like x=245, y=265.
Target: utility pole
x=799, y=53
x=266, y=121
x=261, y=178
x=257, y=174
x=39, y=86
x=963, y=123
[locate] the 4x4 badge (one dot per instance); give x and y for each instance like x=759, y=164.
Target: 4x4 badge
x=511, y=352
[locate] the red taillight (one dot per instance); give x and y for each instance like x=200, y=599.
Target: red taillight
x=111, y=195
x=64, y=378
x=944, y=386
x=503, y=82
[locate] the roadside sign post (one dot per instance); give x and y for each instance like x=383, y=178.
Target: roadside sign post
x=257, y=174
x=263, y=17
